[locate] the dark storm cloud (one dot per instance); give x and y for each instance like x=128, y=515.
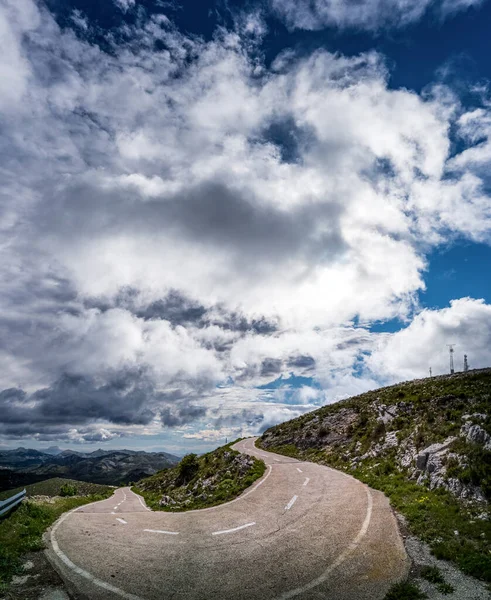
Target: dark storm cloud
x=181, y=415
x=253, y=234
x=174, y=308
x=78, y=400
x=271, y=366
x=129, y=398
x=301, y=362
x=178, y=309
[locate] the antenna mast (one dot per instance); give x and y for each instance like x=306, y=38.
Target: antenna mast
x=430, y=371
x=466, y=364
x=450, y=351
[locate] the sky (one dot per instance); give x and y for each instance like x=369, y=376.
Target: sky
x=216, y=216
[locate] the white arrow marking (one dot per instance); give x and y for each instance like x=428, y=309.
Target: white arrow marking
x=307, y=479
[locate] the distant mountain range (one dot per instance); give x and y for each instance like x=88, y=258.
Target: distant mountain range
x=112, y=467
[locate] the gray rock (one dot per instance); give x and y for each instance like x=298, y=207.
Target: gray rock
x=391, y=440
x=479, y=416
x=167, y=501
x=423, y=456
x=475, y=434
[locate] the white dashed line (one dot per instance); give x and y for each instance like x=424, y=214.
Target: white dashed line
x=162, y=531
x=81, y=572
x=299, y=470
x=116, y=507
x=121, y=521
x=276, y=459
x=142, y=503
x=234, y=529
x=291, y=503
x=300, y=591
x=307, y=479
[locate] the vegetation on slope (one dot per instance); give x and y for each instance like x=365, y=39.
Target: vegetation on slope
x=54, y=487
x=385, y=438
x=21, y=531
x=199, y=482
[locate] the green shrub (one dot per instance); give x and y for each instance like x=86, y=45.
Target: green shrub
x=405, y=591
x=432, y=574
x=188, y=467
x=445, y=588
x=68, y=490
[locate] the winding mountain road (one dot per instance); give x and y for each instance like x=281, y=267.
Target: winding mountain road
x=302, y=531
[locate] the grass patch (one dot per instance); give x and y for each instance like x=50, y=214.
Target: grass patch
x=435, y=516
x=432, y=574
x=201, y=481
x=445, y=588
x=53, y=487
x=405, y=591
x=22, y=530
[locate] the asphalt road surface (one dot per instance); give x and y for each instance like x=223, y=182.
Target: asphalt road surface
x=302, y=531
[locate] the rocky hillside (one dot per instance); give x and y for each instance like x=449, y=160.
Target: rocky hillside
x=425, y=443
x=198, y=482
x=436, y=430
x=110, y=467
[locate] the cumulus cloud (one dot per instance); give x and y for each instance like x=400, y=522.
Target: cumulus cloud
x=410, y=352
x=370, y=15
x=182, y=225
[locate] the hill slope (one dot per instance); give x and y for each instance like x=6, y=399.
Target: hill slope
x=425, y=443
x=197, y=482
x=53, y=488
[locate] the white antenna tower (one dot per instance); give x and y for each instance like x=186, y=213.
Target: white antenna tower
x=466, y=364
x=451, y=351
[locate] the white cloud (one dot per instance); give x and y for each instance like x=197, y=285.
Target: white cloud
x=409, y=353
x=366, y=14
x=139, y=175
x=125, y=5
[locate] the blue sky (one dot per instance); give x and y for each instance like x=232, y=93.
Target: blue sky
x=219, y=215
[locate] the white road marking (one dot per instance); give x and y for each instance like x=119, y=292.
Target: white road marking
x=234, y=529
x=116, y=507
x=113, y=513
x=291, y=503
x=299, y=470
x=340, y=559
x=121, y=521
x=276, y=459
x=81, y=572
x=142, y=503
x=161, y=531
x=307, y=479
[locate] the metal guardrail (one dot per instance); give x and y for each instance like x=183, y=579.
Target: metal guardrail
x=6, y=505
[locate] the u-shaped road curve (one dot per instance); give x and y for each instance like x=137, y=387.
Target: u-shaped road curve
x=303, y=531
